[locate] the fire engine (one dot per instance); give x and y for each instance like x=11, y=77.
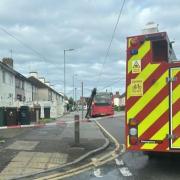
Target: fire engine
x=152, y=94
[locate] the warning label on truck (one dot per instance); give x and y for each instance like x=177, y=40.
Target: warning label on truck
x=136, y=87
x=136, y=66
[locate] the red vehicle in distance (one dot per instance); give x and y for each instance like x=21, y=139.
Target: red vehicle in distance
x=102, y=104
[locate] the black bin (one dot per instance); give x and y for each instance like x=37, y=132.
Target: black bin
x=2, y=116
x=10, y=116
x=24, y=115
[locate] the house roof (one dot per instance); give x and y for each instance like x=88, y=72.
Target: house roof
x=40, y=84
x=31, y=79
x=119, y=96
x=14, y=72
x=37, y=82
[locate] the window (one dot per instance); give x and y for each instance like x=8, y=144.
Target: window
x=49, y=95
x=4, y=77
x=160, y=51
x=19, y=84
x=10, y=79
x=19, y=97
x=22, y=86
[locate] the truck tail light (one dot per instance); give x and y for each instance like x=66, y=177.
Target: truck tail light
x=133, y=131
x=133, y=122
x=133, y=140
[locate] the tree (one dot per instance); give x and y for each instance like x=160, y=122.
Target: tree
x=71, y=103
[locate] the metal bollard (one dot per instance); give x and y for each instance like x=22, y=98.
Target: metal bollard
x=76, y=129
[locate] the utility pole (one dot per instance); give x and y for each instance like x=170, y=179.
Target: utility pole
x=73, y=91
x=74, y=75
x=65, y=73
x=82, y=101
x=75, y=99
x=11, y=53
x=65, y=108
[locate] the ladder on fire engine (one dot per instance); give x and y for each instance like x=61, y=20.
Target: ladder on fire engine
x=90, y=103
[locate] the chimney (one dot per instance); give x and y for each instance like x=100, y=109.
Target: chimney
x=117, y=92
x=34, y=74
x=42, y=79
x=150, y=28
x=8, y=61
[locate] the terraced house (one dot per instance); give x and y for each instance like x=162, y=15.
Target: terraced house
x=17, y=90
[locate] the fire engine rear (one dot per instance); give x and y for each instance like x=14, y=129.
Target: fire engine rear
x=152, y=94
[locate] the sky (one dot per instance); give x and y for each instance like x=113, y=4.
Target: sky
x=46, y=27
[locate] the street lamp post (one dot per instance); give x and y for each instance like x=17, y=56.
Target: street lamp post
x=74, y=75
x=65, y=70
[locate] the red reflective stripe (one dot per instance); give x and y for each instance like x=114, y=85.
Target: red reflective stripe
x=155, y=127
x=152, y=104
x=147, y=84
x=159, y=123
x=163, y=146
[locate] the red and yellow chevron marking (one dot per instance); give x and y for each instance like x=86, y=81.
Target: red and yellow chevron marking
x=148, y=96
x=175, y=119
x=143, y=50
x=159, y=70
x=151, y=109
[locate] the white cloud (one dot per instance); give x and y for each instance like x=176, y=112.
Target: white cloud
x=85, y=25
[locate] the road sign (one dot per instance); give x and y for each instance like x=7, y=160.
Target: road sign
x=136, y=66
x=136, y=87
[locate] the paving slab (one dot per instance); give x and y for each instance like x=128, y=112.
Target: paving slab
x=23, y=145
x=28, y=162
x=39, y=149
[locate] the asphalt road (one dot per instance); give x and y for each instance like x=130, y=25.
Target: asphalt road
x=133, y=165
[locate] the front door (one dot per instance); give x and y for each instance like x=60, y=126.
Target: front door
x=175, y=108
x=47, y=112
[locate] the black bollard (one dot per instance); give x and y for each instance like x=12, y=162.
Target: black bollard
x=76, y=129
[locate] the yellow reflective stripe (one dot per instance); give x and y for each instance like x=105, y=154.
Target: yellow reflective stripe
x=147, y=71
x=175, y=71
x=177, y=143
x=128, y=145
x=129, y=42
x=160, y=135
x=153, y=116
x=176, y=118
x=148, y=96
x=156, y=113
x=176, y=123
x=142, y=51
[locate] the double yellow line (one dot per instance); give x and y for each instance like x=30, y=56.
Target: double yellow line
x=95, y=162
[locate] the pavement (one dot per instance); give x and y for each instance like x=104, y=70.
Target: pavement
x=26, y=151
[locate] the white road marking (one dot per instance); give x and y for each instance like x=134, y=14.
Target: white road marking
x=123, y=149
x=119, y=162
x=97, y=173
x=125, y=171
x=122, y=167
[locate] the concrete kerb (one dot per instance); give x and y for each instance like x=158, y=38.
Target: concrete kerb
x=78, y=160
x=95, y=162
